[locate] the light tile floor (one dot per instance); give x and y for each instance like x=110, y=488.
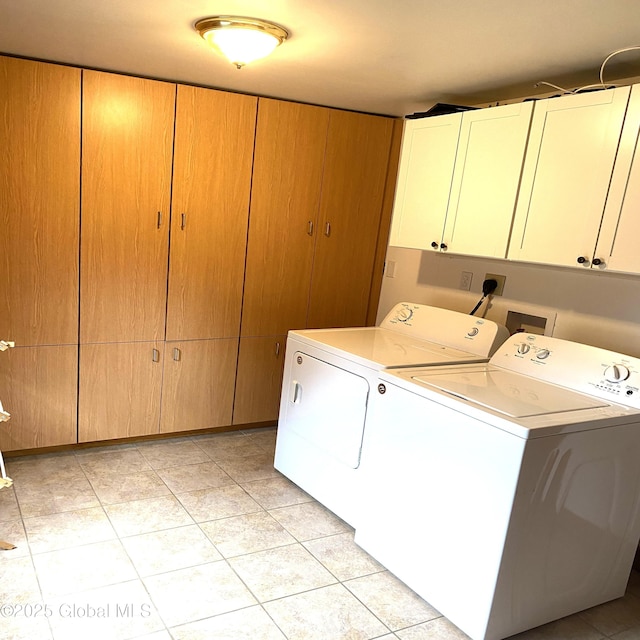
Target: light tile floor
x=200, y=538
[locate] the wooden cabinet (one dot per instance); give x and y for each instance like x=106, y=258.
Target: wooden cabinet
x=319, y=179
x=39, y=387
x=39, y=202
x=210, y=209
x=198, y=384
x=120, y=387
x=355, y=171
x=127, y=145
x=39, y=216
x=285, y=197
x=259, y=380
x=566, y=177
x=458, y=180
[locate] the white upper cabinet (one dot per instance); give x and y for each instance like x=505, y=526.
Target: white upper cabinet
x=425, y=173
x=617, y=248
x=458, y=180
x=566, y=177
x=486, y=179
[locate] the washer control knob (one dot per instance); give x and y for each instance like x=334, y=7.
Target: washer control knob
x=616, y=373
x=543, y=354
x=523, y=348
x=404, y=314
x=474, y=332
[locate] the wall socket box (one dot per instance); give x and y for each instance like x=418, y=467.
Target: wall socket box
x=499, y=279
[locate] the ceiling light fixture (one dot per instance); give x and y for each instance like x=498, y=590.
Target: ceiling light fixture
x=241, y=40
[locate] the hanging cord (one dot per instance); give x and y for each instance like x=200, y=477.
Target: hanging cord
x=601, y=84
x=488, y=287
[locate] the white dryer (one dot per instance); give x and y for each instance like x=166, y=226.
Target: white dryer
x=329, y=375
x=507, y=494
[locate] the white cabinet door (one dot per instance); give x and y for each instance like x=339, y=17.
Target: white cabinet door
x=566, y=176
x=427, y=159
x=617, y=248
x=486, y=179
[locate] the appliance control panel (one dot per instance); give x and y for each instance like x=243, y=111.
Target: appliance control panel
x=598, y=372
x=449, y=328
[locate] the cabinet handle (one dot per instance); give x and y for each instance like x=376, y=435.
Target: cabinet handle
x=581, y=260
x=155, y=355
x=310, y=228
x=6, y=344
x=434, y=244
x=443, y=246
x=159, y=219
x=177, y=354
x=327, y=229
x=277, y=348
x=597, y=262
x=183, y=221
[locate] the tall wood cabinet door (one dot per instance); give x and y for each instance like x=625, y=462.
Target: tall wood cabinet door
x=198, y=384
x=38, y=387
x=39, y=202
x=350, y=208
x=427, y=159
x=259, y=380
x=210, y=210
x=287, y=177
x=127, y=138
x=120, y=387
x=566, y=176
x=486, y=179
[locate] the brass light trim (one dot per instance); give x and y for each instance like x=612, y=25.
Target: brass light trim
x=219, y=24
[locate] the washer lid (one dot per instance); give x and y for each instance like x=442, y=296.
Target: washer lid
x=382, y=348
x=511, y=394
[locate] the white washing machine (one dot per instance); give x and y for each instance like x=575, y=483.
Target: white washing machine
x=507, y=494
x=329, y=375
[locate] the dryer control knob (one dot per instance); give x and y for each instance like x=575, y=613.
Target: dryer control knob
x=474, y=332
x=543, y=354
x=404, y=315
x=616, y=373
x=523, y=348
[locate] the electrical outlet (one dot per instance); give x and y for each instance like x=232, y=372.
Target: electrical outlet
x=499, y=279
x=465, y=280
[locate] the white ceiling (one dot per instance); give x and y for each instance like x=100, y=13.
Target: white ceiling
x=381, y=56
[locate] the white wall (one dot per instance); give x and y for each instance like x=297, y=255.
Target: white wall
x=597, y=308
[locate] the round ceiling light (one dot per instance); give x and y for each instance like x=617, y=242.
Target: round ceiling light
x=241, y=40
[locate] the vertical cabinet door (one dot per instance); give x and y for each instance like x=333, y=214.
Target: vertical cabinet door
x=198, y=384
x=287, y=178
x=617, y=248
x=425, y=174
x=39, y=202
x=486, y=179
x=38, y=387
x=127, y=138
x=120, y=387
x=259, y=379
x=353, y=184
x=211, y=187
x=566, y=176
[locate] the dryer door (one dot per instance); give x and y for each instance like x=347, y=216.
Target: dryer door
x=327, y=406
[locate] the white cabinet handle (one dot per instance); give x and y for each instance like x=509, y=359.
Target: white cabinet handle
x=177, y=354
x=155, y=355
x=310, y=228
x=327, y=229
x=6, y=344
x=277, y=348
